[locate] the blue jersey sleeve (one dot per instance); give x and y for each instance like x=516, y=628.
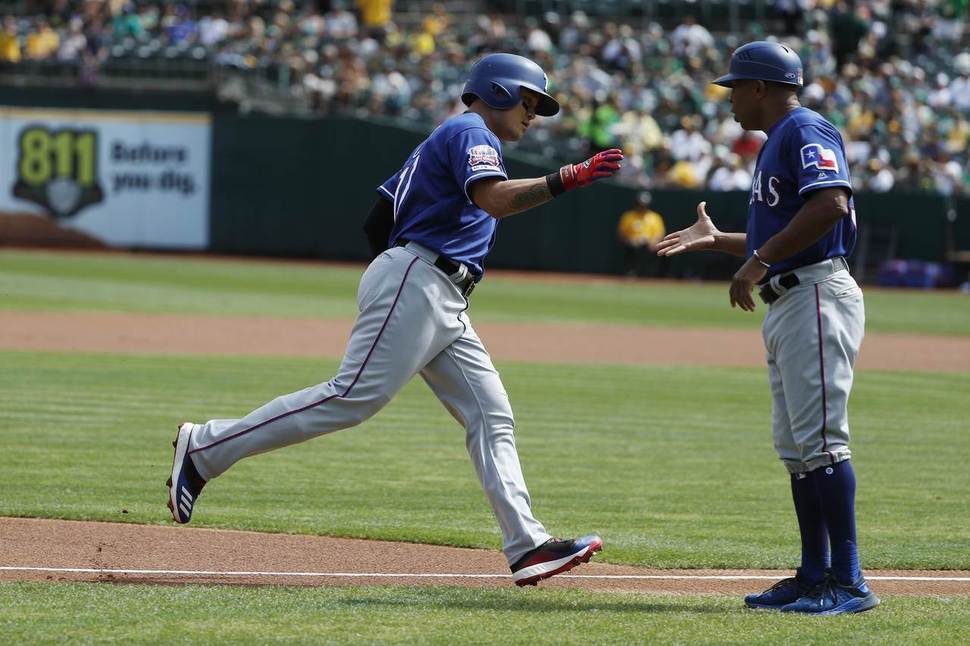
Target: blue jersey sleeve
x=474, y=154
x=820, y=158
x=388, y=188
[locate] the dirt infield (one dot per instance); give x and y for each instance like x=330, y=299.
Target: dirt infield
x=120, y=332
x=51, y=550
x=54, y=550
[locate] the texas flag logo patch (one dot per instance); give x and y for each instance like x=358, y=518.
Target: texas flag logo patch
x=820, y=157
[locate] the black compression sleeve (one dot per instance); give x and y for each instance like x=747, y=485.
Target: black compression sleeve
x=378, y=226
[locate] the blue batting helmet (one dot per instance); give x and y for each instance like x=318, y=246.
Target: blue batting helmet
x=497, y=80
x=763, y=60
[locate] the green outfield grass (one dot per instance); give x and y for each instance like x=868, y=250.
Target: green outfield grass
x=84, y=613
x=133, y=283
x=672, y=465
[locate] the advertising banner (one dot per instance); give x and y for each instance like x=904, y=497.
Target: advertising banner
x=128, y=179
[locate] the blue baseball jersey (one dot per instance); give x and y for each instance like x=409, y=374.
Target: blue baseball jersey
x=803, y=153
x=431, y=192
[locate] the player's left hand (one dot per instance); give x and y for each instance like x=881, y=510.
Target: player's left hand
x=743, y=283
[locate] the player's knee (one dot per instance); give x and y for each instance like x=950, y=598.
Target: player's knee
x=359, y=411
x=499, y=423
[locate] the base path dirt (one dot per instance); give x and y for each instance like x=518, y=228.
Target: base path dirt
x=541, y=342
x=57, y=550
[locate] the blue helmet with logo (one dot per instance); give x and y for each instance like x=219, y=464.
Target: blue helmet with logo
x=763, y=60
x=497, y=80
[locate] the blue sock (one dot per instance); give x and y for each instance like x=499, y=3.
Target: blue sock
x=836, y=488
x=811, y=525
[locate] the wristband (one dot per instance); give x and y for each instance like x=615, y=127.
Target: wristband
x=554, y=182
x=758, y=258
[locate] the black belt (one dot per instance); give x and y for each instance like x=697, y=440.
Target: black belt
x=451, y=269
x=768, y=293
x=789, y=280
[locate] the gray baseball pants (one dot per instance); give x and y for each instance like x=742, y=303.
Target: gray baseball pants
x=412, y=320
x=812, y=335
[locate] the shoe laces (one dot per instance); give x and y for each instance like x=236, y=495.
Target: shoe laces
x=781, y=584
x=825, y=589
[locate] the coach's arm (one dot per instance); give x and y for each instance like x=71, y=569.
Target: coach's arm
x=817, y=216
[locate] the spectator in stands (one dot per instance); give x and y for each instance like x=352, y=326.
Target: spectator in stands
x=9, y=42
x=640, y=133
x=688, y=142
x=94, y=53
x=597, y=127
x=729, y=174
x=390, y=91
x=960, y=86
x=340, y=23
x=639, y=231
x=179, y=25
x=878, y=179
x=622, y=51
x=747, y=146
x=42, y=42
x=883, y=71
x=149, y=16
x=684, y=174
x=423, y=41
x=946, y=173
x=375, y=16
x=913, y=176
x=791, y=12
x=213, y=29
x=127, y=23
x=847, y=28
x=74, y=43
x=537, y=39
x=690, y=38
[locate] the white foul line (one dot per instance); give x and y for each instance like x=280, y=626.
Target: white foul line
x=433, y=575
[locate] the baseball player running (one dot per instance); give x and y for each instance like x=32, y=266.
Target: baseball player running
x=801, y=225
x=430, y=229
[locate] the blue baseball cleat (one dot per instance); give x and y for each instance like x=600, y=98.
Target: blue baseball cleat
x=833, y=598
x=780, y=594
x=554, y=557
x=185, y=483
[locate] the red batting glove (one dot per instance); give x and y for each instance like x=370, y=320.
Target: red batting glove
x=602, y=164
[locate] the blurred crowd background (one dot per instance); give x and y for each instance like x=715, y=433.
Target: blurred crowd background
x=893, y=75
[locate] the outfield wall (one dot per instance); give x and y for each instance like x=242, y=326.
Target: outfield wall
x=302, y=187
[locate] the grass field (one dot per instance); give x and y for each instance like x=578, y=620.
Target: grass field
x=124, y=283
x=39, y=613
x=673, y=485
x=673, y=465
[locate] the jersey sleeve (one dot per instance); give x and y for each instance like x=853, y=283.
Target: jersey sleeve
x=388, y=188
x=819, y=159
x=475, y=153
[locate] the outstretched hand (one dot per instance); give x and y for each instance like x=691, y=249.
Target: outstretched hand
x=697, y=237
x=602, y=164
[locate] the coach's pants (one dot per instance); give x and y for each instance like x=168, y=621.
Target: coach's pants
x=812, y=335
